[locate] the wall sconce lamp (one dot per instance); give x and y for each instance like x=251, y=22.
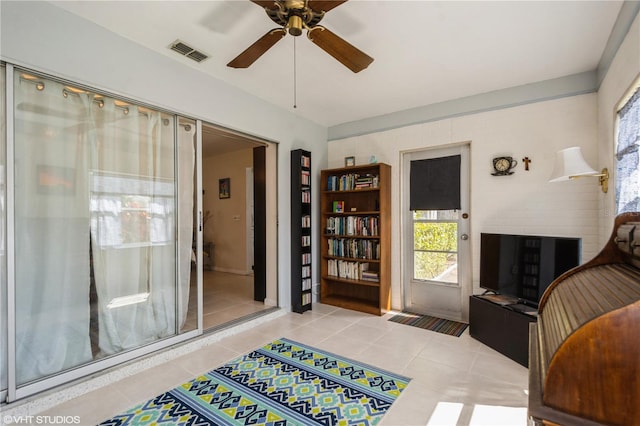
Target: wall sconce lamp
x=571, y=165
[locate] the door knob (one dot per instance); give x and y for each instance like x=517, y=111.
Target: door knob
x=464, y=237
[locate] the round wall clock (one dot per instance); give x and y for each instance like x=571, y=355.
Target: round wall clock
x=503, y=166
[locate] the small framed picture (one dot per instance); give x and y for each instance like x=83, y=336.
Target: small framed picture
x=349, y=161
x=224, y=188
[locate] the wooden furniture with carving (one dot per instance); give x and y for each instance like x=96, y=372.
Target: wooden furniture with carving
x=584, y=359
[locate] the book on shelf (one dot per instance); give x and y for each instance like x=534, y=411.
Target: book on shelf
x=306, y=298
x=352, y=181
x=351, y=270
x=305, y=161
x=364, y=226
x=370, y=276
x=306, y=284
x=306, y=196
x=305, y=177
x=306, y=221
x=354, y=248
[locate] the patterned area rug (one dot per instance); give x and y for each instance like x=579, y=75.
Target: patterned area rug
x=440, y=325
x=282, y=383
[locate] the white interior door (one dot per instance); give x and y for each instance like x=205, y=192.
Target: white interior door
x=436, y=246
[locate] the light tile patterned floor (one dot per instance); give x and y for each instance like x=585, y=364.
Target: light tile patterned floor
x=456, y=380
x=225, y=297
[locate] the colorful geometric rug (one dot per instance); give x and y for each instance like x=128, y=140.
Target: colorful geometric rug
x=282, y=383
x=440, y=325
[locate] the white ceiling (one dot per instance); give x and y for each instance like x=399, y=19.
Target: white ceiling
x=425, y=51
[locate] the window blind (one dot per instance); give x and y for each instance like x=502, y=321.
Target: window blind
x=435, y=184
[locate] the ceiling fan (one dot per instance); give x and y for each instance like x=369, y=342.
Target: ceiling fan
x=294, y=16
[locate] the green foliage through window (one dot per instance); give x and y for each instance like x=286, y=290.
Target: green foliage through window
x=435, y=251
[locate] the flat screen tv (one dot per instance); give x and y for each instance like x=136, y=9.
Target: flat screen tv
x=523, y=266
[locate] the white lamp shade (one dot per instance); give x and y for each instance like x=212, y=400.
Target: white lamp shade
x=569, y=163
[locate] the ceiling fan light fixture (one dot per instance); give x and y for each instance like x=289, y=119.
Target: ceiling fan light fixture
x=295, y=25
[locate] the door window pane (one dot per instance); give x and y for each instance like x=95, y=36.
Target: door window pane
x=95, y=226
x=435, y=245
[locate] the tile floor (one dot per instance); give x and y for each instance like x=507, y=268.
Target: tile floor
x=455, y=380
x=226, y=297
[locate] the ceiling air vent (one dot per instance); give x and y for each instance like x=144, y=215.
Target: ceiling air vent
x=188, y=51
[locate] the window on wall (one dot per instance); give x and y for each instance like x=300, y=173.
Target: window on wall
x=628, y=155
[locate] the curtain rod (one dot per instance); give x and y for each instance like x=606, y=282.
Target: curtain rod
x=66, y=92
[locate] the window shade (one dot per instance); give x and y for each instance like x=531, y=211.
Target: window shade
x=435, y=184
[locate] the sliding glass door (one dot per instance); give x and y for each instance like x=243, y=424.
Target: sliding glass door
x=3, y=238
x=103, y=238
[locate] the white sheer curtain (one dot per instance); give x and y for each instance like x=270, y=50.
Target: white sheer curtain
x=628, y=156
x=95, y=204
x=186, y=169
x=52, y=231
x=133, y=227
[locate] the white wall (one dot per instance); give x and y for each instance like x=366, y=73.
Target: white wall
x=623, y=71
x=45, y=38
x=226, y=225
x=522, y=203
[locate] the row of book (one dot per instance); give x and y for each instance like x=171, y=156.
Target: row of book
x=305, y=177
x=306, y=258
x=351, y=270
x=305, y=161
x=351, y=181
x=306, y=271
x=306, y=241
x=306, y=284
x=365, y=226
x=372, y=276
x=306, y=298
x=354, y=248
x=306, y=196
x=306, y=221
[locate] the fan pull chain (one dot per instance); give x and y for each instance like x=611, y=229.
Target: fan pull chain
x=295, y=83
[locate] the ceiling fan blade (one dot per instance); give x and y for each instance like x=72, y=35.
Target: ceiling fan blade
x=253, y=52
x=348, y=55
x=267, y=4
x=324, y=5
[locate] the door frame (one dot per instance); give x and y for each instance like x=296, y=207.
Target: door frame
x=249, y=218
x=455, y=294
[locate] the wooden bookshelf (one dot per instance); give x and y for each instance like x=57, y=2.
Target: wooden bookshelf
x=356, y=238
x=301, y=277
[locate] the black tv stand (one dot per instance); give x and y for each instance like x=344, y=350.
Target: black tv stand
x=502, y=324
x=528, y=303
